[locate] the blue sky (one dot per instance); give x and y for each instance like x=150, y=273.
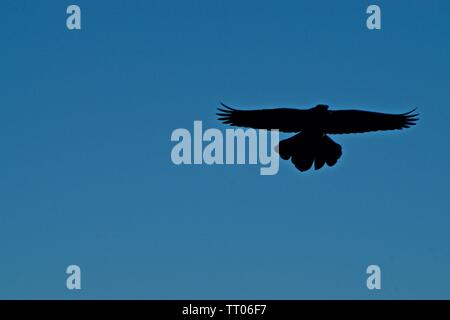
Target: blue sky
x=85, y=170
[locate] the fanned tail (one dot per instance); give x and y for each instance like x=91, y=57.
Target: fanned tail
x=306, y=149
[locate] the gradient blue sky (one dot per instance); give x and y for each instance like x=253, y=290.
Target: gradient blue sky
x=85, y=170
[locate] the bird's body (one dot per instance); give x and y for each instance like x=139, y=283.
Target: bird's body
x=311, y=144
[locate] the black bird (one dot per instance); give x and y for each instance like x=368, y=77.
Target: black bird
x=312, y=144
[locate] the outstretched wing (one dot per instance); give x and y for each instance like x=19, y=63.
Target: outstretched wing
x=283, y=119
x=356, y=121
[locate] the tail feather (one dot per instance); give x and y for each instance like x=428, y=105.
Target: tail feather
x=304, y=150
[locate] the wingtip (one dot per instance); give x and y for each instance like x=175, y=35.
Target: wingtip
x=225, y=106
x=410, y=113
x=411, y=117
x=224, y=110
x=223, y=114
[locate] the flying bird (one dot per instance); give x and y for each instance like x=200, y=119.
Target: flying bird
x=312, y=145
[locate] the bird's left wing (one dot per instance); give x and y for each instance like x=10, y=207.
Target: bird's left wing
x=283, y=119
x=357, y=121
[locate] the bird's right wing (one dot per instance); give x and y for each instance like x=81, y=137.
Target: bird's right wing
x=358, y=121
x=283, y=119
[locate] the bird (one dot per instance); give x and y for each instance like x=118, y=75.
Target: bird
x=311, y=144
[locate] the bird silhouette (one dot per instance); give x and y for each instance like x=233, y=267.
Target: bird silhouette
x=312, y=144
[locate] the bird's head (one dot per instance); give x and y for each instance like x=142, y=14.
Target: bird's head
x=321, y=107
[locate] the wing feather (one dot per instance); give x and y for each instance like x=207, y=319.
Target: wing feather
x=357, y=121
x=283, y=119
